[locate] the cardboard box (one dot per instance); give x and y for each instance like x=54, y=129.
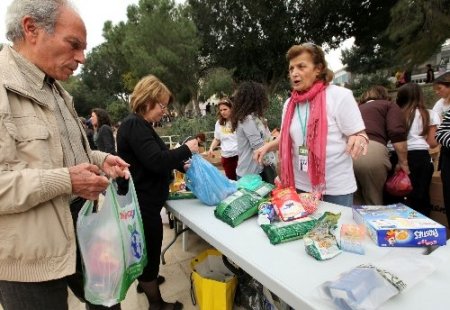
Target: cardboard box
x=437, y=200
x=399, y=226
x=434, y=153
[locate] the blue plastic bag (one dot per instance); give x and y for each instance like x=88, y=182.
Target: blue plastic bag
x=207, y=183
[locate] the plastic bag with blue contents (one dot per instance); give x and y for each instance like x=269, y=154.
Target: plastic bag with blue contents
x=207, y=183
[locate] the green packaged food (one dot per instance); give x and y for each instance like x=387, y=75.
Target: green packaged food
x=321, y=242
x=181, y=195
x=237, y=207
x=279, y=232
x=253, y=183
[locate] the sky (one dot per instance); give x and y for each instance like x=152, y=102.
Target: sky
x=96, y=12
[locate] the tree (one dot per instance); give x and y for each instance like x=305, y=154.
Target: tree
x=419, y=28
x=252, y=36
x=161, y=39
x=217, y=81
x=158, y=38
x=397, y=33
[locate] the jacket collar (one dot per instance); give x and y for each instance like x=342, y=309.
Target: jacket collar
x=24, y=78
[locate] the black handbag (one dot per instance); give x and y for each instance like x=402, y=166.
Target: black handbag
x=269, y=174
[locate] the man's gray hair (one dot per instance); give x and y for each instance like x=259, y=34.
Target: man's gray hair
x=43, y=12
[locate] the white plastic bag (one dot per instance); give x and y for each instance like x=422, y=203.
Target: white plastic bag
x=112, y=245
x=368, y=286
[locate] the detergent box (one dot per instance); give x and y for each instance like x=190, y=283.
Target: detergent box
x=397, y=225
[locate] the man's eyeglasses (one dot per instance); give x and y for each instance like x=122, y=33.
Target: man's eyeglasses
x=162, y=106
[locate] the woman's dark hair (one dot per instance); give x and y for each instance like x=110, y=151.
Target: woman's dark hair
x=201, y=136
x=376, y=92
x=102, y=117
x=250, y=97
x=226, y=102
x=410, y=98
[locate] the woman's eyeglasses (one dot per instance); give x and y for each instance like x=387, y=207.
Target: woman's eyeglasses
x=162, y=106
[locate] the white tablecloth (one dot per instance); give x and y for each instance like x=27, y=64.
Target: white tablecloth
x=288, y=271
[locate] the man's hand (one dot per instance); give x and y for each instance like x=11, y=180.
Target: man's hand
x=114, y=167
x=87, y=181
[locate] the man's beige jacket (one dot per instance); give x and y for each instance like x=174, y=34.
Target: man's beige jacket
x=37, y=239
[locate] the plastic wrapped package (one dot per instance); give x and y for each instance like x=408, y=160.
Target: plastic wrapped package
x=321, y=242
x=280, y=232
x=352, y=237
x=290, y=205
x=238, y=207
x=254, y=183
x=368, y=286
x=207, y=183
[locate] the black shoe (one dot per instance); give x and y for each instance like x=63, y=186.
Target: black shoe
x=160, y=281
x=176, y=306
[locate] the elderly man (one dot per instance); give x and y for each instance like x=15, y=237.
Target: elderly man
x=45, y=160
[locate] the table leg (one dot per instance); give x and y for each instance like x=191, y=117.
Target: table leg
x=177, y=233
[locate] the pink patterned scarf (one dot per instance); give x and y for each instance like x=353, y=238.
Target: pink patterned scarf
x=316, y=140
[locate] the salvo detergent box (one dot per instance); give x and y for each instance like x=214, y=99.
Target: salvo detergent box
x=399, y=226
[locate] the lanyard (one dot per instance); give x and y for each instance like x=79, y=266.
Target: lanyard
x=303, y=121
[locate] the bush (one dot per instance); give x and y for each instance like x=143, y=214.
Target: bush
x=184, y=126
x=364, y=82
x=273, y=112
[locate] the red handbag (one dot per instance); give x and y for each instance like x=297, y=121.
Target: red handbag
x=399, y=184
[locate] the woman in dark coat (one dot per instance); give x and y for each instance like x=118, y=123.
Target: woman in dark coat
x=151, y=165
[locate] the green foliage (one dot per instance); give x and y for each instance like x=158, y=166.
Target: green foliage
x=185, y=127
x=397, y=33
x=253, y=36
x=364, y=82
x=160, y=39
x=273, y=112
x=429, y=95
x=219, y=82
x=419, y=28
x=118, y=110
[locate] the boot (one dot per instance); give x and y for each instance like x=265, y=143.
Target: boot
x=151, y=290
x=160, y=279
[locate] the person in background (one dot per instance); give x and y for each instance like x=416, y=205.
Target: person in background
x=430, y=74
x=321, y=131
x=90, y=134
x=250, y=101
x=226, y=138
x=399, y=78
x=201, y=139
x=151, y=165
x=441, y=86
x=103, y=136
x=47, y=170
x=443, y=137
x=384, y=122
x=421, y=125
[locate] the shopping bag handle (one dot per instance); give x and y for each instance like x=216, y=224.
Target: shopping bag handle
x=194, y=301
x=236, y=270
x=122, y=186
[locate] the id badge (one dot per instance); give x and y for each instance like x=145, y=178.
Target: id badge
x=303, y=158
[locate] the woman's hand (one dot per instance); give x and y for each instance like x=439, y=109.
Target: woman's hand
x=357, y=145
x=258, y=154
